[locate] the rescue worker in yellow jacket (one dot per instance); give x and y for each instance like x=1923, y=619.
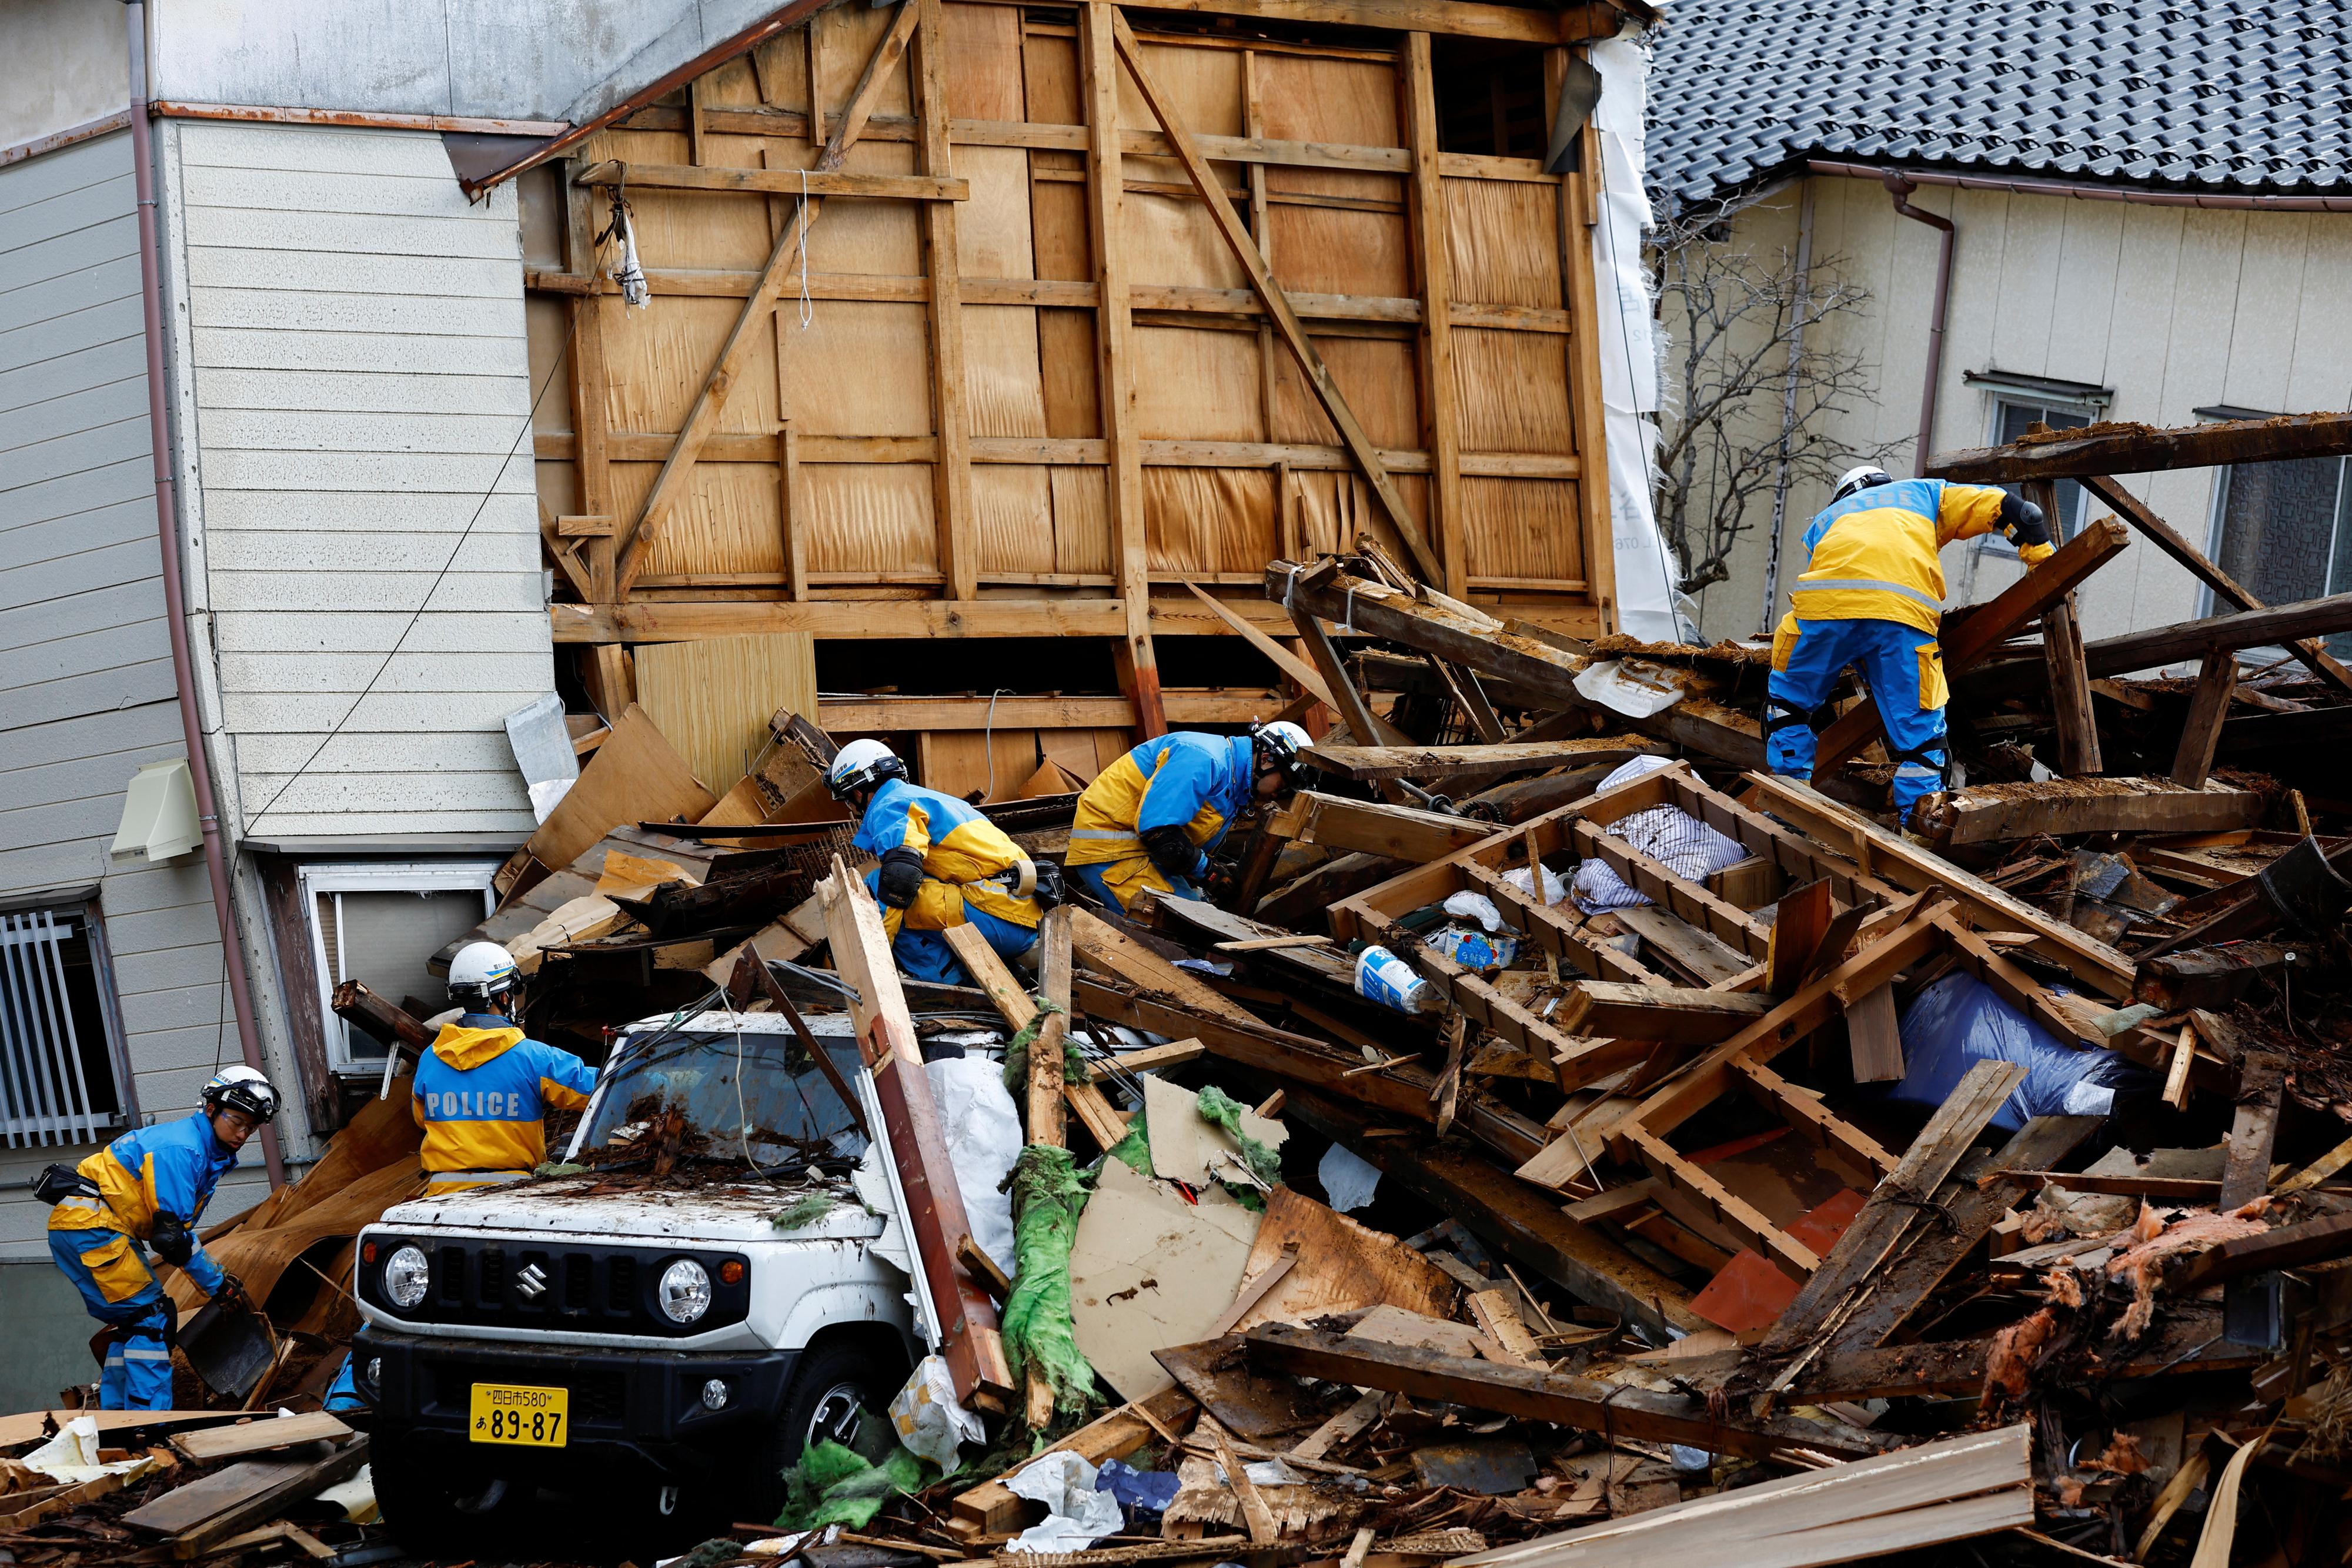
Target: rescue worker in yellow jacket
x=1869, y=593
x=1150, y=818
x=943, y=864
x=150, y=1184
x=481, y=1090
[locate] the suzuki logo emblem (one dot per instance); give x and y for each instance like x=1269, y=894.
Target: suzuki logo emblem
x=532, y=1283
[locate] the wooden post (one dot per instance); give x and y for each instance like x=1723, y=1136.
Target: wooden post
x=935, y=1216
x=1137, y=666
x=796, y=519
x=1354, y=710
x=1579, y=204
x=2217, y=679
x=959, y=540
x=1440, y=418
x=2061, y=652
x=695, y=130
x=1045, y=1050
x=590, y=461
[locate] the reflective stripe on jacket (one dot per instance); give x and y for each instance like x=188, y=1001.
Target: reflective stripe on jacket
x=962, y=851
x=481, y=1095
x=1873, y=556
x=174, y=1165
x=1197, y=782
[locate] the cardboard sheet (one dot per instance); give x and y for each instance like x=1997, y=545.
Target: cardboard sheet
x=1150, y=1269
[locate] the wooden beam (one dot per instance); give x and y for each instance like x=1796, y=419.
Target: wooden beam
x=935, y=1218
x=1453, y=762
x=2134, y=449
x=2253, y=1129
x=1970, y=638
x=2208, y=709
x=1310, y=679
x=2226, y=589
x=1044, y=1117
x=1354, y=709
x=1372, y=827
x=1105, y=1121
x=951, y=493
x=1799, y=923
x=1672, y=1015
x=1138, y=663
x=2184, y=640
x=2288, y=1247
x=1618, y=1409
x=2070, y=690
x=1580, y=215
x=1994, y=813
x=1293, y=333
x=931, y=187
x=675, y=482
x=1431, y=249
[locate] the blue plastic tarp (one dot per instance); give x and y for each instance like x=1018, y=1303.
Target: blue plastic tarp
x=1958, y=1021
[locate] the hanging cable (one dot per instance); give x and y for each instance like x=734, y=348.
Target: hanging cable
x=808, y=311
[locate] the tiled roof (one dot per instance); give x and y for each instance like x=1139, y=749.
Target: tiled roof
x=2246, y=97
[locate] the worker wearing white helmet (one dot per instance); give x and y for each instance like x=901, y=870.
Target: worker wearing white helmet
x=482, y=1090
x=1150, y=818
x=1871, y=593
x=943, y=864
x=150, y=1184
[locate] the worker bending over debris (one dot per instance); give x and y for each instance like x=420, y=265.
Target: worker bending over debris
x=150, y=1185
x=943, y=864
x=1872, y=594
x=481, y=1090
x=1150, y=818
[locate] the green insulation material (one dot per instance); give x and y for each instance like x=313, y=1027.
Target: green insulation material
x=806, y=1212
x=1136, y=1148
x=831, y=1485
x=1039, y=1341
x=1221, y=1108
x=1017, y=1053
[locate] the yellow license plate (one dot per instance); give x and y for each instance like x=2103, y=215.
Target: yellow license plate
x=537, y=1417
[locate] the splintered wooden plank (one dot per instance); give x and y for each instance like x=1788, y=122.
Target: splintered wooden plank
x=1121, y=954
x=1538, y=1394
x=235, y=1499
x=1798, y=925
x=1672, y=1015
x=1893, y=1208
x=1421, y=763
x=1877, y=1042
x=1985, y=813
x=2246, y=1173
x=260, y=1435
x=2209, y=708
x=1373, y=827
x=2135, y=449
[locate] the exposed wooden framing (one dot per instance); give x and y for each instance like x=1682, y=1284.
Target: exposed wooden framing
x=591, y=458
x=1440, y=415
x=933, y=187
x=1422, y=763
x=951, y=495
x=2184, y=640
x=1969, y=639
x=1579, y=213
x=1292, y=331
x=1353, y=708
x=1104, y=1121
x=1310, y=679
x=2217, y=680
x=1138, y=664
x=671, y=487
x=2070, y=690
x=2134, y=449
x=794, y=499
x=2226, y=589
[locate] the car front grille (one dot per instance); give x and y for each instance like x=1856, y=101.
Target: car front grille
x=596, y=1290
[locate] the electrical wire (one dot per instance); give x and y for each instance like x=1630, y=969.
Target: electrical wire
x=480, y=506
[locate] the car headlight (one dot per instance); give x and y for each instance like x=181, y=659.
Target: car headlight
x=685, y=1290
x=405, y=1276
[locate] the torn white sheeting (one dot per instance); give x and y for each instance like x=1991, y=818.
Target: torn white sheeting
x=1627, y=688
x=542, y=750
x=928, y=1421
x=1076, y=1515
x=983, y=1130
x=1349, y=1181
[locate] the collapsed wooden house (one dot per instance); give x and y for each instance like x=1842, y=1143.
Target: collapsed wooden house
x=1001, y=322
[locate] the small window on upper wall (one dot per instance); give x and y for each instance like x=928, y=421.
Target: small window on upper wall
x=63, y=1074
x=2283, y=530
x=381, y=924
x=2012, y=418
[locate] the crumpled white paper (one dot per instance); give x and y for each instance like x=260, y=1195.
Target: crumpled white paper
x=1076, y=1516
x=983, y=1130
x=929, y=1421
x=1555, y=886
x=1348, y=1180
x=72, y=1457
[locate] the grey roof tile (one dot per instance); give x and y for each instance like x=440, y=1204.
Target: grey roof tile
x=2250, y=98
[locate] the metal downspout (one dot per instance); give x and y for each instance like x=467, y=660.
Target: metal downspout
x=240, y=984
x=1899, y=188
x=1789, y=406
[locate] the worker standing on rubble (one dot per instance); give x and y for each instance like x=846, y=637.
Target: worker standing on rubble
x=943, y=864
x=150, y=1185
x=1150, y=818
x=1871, y=594
x=481, y=1090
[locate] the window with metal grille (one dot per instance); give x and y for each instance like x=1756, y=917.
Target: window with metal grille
x=59, y=1035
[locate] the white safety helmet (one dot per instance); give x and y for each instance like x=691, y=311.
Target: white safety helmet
x=862, y=765
x=480, y=973
x=240, y=1089
x=1281, y=741
x=1862, y=478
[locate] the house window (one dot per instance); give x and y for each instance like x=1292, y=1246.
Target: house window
x=379, y=924
x=2013, y=417
x=2283, y=530
x=62, y=1077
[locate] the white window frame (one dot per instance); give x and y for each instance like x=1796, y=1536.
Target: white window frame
x=376, y=876
x=46, y=1100
x=1997, y=543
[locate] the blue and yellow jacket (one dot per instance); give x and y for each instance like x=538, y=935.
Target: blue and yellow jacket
x=1198, y=782
x=173, y=1165
x=961, y=848
x=481, y=1095
x=1873, y=556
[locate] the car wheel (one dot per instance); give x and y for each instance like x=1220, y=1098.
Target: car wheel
x=837, y=1386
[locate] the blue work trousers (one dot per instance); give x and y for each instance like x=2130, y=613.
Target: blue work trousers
x=138, y=1373
x=1091, y=878
x=1904, y=668
x=926, y=955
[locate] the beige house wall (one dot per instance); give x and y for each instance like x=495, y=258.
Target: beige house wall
x=2175, y=308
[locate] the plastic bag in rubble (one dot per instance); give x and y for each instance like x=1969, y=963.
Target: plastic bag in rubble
x=1958, y=1021
x=982, y=1129
x=929, y=1421
x=1076, y=1515
x=1475, y=907
x=1613, y=685
x=1668, y=834
x=1473, y=949
x=1555, y=886
x=1385, y=978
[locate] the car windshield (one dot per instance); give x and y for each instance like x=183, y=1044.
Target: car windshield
x=763, y=1092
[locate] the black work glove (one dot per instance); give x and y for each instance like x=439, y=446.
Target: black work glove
x=231, y=1291
x=2022, y=522
x=901, y=877
x=1177, y=858
x=171, y=1239
x=1051, y=889
x=1222, y=881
